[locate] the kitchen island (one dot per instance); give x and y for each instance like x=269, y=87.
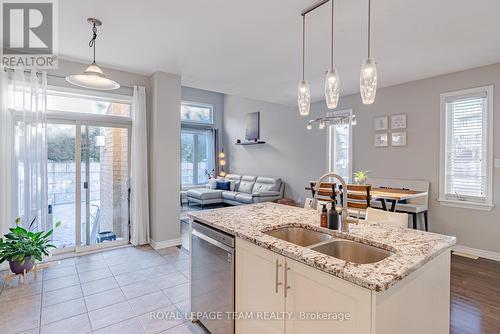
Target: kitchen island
x=407, y=291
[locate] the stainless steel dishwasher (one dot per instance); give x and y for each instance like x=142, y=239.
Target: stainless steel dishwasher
x=212, y=278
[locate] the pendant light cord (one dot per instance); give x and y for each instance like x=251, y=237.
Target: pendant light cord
x=333, y=20
x=92, y=41
x=369, y=29
x=303, y=46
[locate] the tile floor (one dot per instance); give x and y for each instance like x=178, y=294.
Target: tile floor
x=109, y=292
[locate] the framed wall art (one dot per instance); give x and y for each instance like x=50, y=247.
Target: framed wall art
x=398, y=138
x=398, y=121
x=381, y=123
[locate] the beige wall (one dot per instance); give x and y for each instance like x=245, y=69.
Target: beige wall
x=298, y=155
x=420, y=159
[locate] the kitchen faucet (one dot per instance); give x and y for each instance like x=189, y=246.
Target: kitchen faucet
x=344, y=212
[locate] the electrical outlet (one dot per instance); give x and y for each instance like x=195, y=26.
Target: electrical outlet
x=497, y=163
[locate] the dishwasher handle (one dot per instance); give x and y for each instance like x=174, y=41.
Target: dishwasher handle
x=212, y=241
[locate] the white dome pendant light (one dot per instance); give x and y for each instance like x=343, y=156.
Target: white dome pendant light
x=368, y=75
x=304, y=93
x=93, y=77
x=332, y=77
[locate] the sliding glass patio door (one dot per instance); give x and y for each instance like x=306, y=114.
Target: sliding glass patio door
x=88, y=168
x=104, y=185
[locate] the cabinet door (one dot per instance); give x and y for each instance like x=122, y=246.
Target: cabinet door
x=313, y=293
x=259, y=289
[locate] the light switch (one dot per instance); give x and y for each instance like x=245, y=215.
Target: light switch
x=497, y=163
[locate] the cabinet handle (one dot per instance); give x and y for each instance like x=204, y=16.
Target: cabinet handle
x=277, y=283
x=286, y=279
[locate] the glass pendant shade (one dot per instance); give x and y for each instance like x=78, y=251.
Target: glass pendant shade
x=368, y=81
x=332, y=88
x=304, y=98
x=93, y=78
x=309, y=126
x=321, y=125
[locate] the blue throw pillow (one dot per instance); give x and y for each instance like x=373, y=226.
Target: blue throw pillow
x=223, y=185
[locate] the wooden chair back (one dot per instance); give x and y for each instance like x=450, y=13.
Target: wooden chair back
x=358, y=196
x=327, y=191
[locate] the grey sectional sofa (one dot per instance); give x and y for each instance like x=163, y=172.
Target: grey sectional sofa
x=245, y=189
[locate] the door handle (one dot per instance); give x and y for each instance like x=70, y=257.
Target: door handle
x=286, y=279
x=277, y=283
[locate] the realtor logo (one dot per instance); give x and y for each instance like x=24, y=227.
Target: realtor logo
x=28, y=34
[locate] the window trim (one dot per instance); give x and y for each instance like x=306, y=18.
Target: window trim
x=195, y=123
x=329, y=165
x=467, y=203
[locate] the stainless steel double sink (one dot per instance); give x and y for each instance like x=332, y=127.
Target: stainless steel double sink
x=324, y=243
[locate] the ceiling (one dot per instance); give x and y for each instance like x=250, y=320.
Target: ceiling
x=252, y=48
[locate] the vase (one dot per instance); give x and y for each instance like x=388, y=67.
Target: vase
x=18, y=268
x=360, y=180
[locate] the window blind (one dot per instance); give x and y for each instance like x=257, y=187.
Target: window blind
x=466, y=172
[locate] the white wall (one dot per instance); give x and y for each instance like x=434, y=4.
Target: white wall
x=298, y=155
x=291, y=151
x=164, y=158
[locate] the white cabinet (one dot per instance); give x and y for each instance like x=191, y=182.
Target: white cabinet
x=322, y=303
x=260, y=288
x=262, y=275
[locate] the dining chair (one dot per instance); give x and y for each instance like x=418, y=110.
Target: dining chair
x=327, y=191
x=387, y=217
x=358, y=199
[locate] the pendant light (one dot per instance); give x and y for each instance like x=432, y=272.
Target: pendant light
x=368, y=75
x=304, y=92
x=332, y=77
x=93, y=77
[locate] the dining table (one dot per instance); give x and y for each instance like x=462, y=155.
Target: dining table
x=385, y=195
x=394, y=196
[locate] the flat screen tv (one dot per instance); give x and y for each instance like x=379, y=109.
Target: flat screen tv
x=252, y=126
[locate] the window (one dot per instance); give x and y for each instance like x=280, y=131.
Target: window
x=340, y=147
x=466, y=148
x=197, y=143
x=196, y=113
x=197, y=155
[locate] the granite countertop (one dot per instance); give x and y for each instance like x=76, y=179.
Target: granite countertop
x=411, y=248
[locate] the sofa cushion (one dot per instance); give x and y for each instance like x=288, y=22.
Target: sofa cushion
x=265, y=193
x=230, y=195
x=246, y=187
x=267, y=184
x=235, y=181
x=204, y=193
x=212, y=184
x=244, y=198
x=223, y=185
x=234, y=177
x=246, y=184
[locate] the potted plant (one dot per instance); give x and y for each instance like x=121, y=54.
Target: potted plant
x=360, y=176
x=23, y=247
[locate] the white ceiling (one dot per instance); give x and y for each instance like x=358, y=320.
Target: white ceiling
x=252, y=48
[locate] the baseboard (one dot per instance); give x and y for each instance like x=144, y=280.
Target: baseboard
x=165, y=243
x=477, y=252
